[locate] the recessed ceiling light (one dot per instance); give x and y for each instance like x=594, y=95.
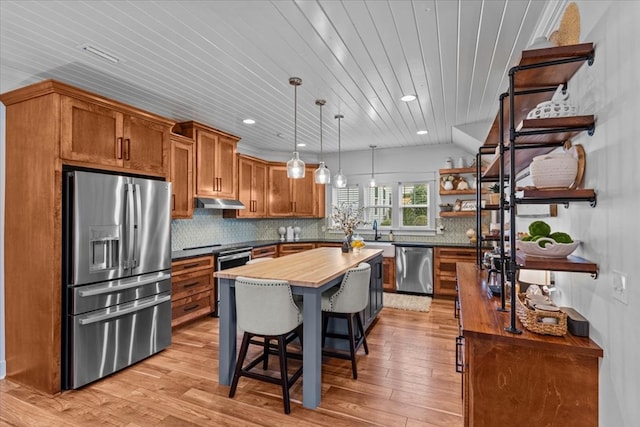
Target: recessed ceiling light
x=301, y=144
x=408, y=98
x=99, y=52
x=422, y=132
x=248, y=121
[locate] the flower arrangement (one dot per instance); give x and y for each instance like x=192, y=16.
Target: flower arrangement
x=347, y=218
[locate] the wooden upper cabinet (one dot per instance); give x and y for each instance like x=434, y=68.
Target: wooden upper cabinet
x=90, y=133
x=146, y=145
x=181, y=176
x=280, y=197
x=216, y=165
x=304, y=194
x=96, y=134
x=252, y=188
x=294, y=197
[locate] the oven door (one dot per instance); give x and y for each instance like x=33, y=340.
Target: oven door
x=107, y=340
x=226, y=260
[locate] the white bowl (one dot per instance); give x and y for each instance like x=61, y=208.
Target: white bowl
x=551, y=250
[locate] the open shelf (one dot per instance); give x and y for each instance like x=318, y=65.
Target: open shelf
x=558, y=130
x=534, y=196
x=571, y=263
x=470, y=191
x=547, y=76
x=456, y=171
x=459, y=214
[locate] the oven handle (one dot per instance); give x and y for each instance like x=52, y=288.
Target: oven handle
x=224, y=258
x=134, y=284
x=156, y=301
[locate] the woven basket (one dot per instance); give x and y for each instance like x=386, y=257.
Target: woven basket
x=532, y=319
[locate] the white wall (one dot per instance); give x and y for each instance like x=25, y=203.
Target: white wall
x=609, y=232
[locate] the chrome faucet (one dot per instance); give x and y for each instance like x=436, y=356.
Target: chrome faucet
x=376, y=236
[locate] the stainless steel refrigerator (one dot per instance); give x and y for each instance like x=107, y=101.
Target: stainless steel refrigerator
x=116, y=269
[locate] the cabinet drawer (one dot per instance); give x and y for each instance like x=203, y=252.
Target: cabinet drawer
x=192, y=307
x=189, y=284
x=192, y=264
x=292, y=248
x=457, y=253
x=265, y=251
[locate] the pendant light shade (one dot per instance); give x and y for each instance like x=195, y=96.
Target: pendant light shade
x=372, y=181
x=322, y=175
x=295, y=166
x=339, y=180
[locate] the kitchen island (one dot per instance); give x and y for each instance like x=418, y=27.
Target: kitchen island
x=309, y=273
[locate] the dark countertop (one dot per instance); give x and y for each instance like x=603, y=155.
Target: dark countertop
x=183, y=254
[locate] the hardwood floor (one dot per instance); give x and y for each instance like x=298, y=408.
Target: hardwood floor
x=408, y=379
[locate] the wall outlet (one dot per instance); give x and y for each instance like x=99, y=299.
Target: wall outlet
x=620, y=286
x=440, y=229
x=324, y=228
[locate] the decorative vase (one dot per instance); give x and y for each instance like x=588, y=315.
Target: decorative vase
x=346, y=243
x=448, y=185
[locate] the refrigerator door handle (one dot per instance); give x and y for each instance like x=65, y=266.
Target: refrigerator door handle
x=131, y=308
x=136, y=226
x=130, y=225
x=132, y=284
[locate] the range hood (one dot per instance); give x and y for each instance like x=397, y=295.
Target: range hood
x=206, y=203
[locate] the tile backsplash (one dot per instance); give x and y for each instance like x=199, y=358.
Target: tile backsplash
x=208, y=227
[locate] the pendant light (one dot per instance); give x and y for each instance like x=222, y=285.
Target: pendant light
x=295, y=166
x=372, y=181
x=322, y=174
x=339, y=181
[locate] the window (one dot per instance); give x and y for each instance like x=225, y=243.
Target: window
x=378, y=204
x=414, y=205
x=348, y=195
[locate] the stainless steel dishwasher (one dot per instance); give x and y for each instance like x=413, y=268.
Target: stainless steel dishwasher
x=414, y=270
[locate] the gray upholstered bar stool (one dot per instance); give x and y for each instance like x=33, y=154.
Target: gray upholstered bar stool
x=347, y=301
x=266, y=343
x=265, y=308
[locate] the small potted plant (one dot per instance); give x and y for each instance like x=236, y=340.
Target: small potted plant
x=494, y=194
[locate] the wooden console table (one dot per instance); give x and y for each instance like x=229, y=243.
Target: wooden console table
x=526, y=379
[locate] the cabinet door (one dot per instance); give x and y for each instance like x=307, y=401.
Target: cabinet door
x=280, y=202
x=182, y=179
x=226, y=168
x=90, y=133
x=245, y=187
x=304, y=195
x=145, y=145
x=389, y=274
x=206, y=157
x=259, y=190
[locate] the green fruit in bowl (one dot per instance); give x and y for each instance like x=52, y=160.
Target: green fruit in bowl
x=539, y=228
x=526, y=238
x=543, y=242
x=561, y=237
x=536, y=238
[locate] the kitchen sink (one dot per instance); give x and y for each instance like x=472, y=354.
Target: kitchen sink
x=388, y=250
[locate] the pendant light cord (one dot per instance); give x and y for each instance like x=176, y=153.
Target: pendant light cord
x=339, y=117
x=295, y=118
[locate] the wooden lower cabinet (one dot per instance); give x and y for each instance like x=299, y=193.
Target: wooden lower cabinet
x=192, y=289
x=520, y=379
x=389, y=274
x=444, y=271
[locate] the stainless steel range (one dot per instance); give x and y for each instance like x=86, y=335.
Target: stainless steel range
x=116, y=273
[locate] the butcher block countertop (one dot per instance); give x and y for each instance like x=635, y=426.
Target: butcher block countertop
x=310, y=268
x=479, y=317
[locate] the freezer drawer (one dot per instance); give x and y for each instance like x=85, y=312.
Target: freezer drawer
x=105, y=341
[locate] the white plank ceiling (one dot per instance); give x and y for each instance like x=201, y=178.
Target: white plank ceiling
x=219, y=62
